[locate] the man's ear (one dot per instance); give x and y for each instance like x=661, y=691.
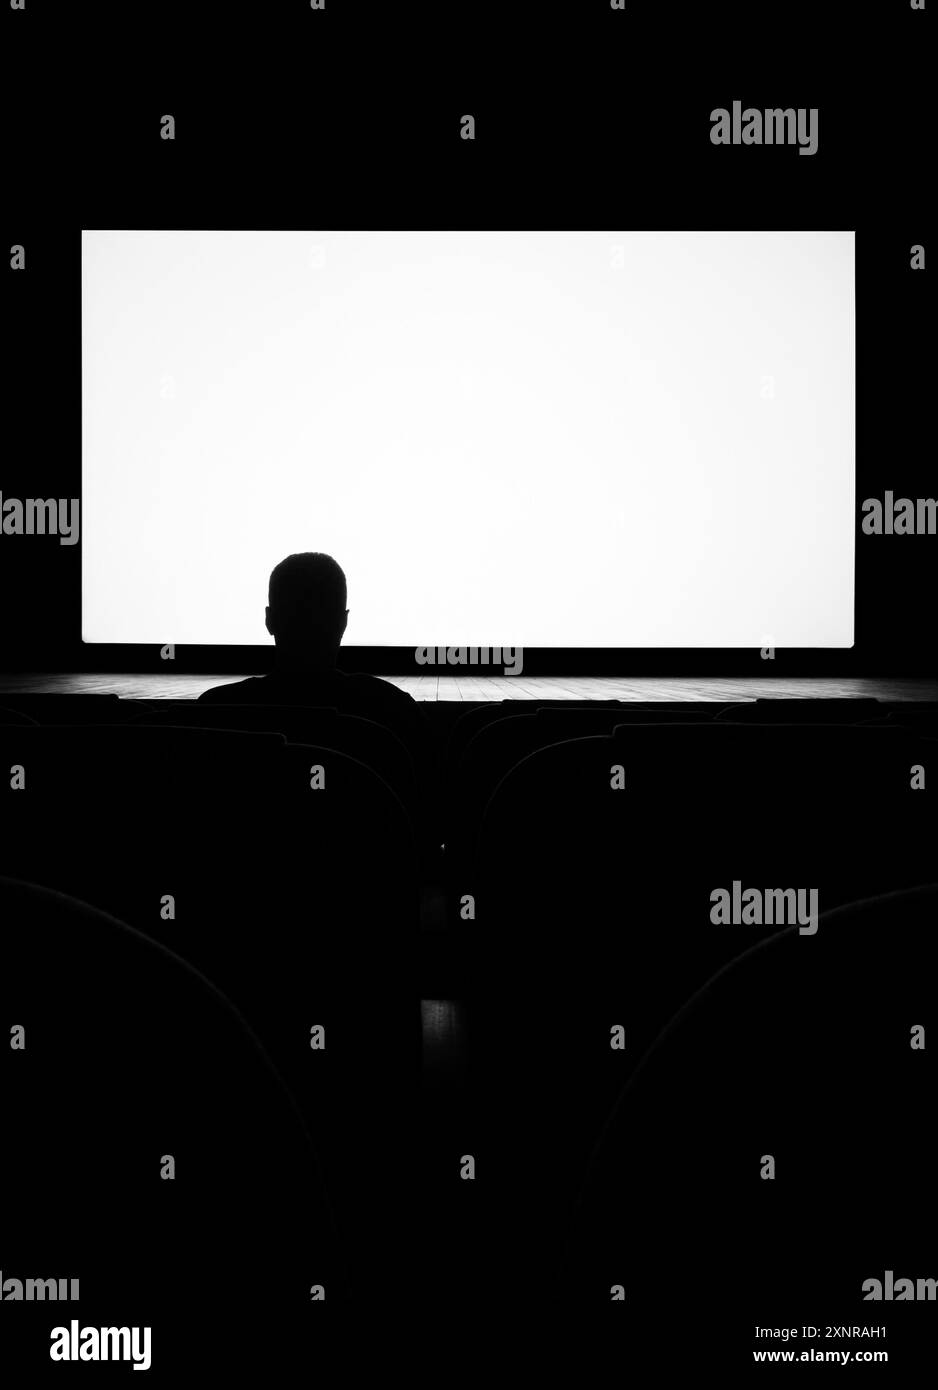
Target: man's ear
x=344, y=626
x=267, y=621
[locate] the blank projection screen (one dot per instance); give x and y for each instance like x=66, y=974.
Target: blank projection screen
x=542, y=439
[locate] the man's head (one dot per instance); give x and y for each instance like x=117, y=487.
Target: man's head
x=306, y=613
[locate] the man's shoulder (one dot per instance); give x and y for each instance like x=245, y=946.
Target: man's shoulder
x=238, y=692
x=380, y=689
x=288, y=688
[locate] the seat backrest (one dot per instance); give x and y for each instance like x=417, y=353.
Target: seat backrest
x=469, y=724
x=807, y=1051
x=140, y=1098
x=834, y=710
x=364, y=739
x=214, y=840
x=499, y=744
x=633, y=832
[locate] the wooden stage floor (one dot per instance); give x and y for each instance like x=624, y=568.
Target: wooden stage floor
x=481, y=688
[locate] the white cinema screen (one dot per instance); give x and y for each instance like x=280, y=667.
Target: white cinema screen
x=542, y=439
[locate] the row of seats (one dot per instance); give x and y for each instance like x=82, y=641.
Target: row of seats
x=824, y=1067
x=137, y=808
x=109, y=708
x=603, y=903
x=591, y=909
x=240, y=820
x=445, y=789
x=592, y=871
x=285, y=873
x=636, y=827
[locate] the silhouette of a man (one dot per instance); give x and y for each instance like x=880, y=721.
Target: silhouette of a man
x=307, y=617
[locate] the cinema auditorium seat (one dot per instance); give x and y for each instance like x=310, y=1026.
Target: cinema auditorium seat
x=498, y=745
x=299, y=903
x=118, y=814
x=371, y=743
x=627, y=835
x=469, y=724
x=805, y=1051
x=593, y=905
x=480, y=716
x=215, y=843
x=129, y=1066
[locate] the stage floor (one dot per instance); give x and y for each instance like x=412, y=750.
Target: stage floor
x=481, y=688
